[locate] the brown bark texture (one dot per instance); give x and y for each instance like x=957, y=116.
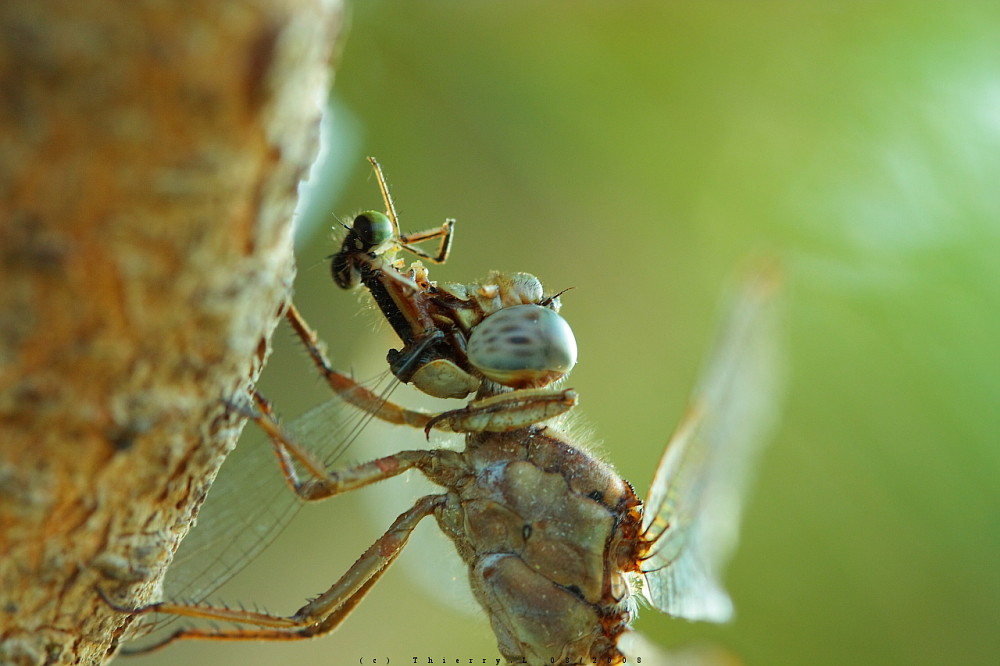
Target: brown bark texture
x=150, y=155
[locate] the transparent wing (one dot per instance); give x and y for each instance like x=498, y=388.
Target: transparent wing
x=250, y=502
x=693, y=510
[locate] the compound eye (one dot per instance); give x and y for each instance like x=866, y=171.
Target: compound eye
x=523, y=346
x=372, y=228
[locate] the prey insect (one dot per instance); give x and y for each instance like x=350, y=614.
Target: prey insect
x=558, y=546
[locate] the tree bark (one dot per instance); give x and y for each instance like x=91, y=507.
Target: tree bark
x=150, y=155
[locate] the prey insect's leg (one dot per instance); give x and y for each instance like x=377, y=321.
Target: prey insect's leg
x=326, y=483
x=444, y=231
x=444, y=247
x=347, y=388
x=321, y=615
x=383, y=187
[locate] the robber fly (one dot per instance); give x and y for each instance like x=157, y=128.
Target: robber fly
x=558, y=546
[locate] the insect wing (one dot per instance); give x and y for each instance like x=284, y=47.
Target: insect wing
x=250, y=502
x=693, y=511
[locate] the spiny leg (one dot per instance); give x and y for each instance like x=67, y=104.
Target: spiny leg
x=326, y=483
x=321, y=615
x=506, y=411
x=347, y=388
x=499, y=413
x=407, y=241
x=390, y=209
x=445, y=231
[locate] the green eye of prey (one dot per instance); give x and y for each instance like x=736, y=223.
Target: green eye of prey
x=372, y=228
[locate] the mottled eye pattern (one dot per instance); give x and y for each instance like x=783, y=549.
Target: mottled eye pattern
x=523, y=346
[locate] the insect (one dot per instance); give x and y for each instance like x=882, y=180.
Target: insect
x=559, y=548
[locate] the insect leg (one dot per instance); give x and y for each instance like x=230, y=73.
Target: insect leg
x=347, y=388
x=506, y=411
x=321, y=615
x=326, y=483
x=383, y=187
x=444, y=231
x=444, y=247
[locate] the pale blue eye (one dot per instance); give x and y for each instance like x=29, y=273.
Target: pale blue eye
x=523, y=346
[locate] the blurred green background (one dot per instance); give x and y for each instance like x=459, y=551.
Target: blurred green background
x=637, y=152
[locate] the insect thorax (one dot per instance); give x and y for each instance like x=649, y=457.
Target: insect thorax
x=540, y=525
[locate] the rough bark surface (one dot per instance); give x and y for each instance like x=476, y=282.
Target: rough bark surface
x=149, y=160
